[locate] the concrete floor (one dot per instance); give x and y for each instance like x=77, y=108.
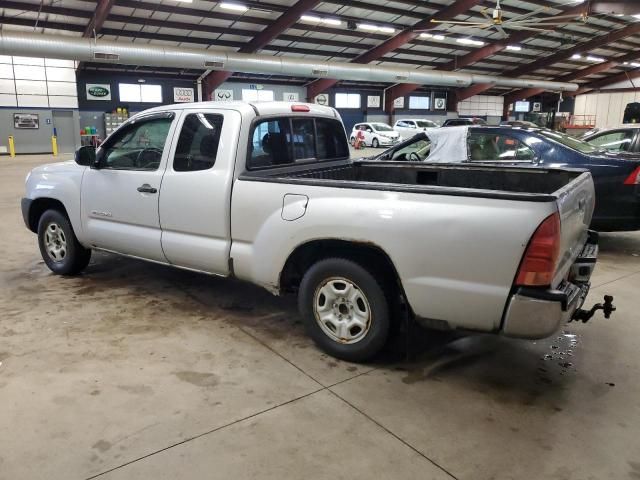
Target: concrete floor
x=137, y=371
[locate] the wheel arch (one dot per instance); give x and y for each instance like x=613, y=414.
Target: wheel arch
x=41, y=205
x=367, y=254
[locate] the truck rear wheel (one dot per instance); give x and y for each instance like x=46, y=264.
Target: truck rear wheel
x=344, y=309
x=59, y=246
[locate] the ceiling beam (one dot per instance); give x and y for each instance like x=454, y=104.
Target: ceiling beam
x=604, y=82
x=395, y=42
x=585, y=72
x=286, y=20
x=99, y=17
x=597, y=42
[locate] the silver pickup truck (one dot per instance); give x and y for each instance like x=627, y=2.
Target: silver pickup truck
x=266, y=192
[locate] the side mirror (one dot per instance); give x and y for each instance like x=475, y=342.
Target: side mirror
x=86, y=156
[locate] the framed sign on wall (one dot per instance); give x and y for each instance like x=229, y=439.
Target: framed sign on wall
x=26, y=120
x=221, y=95
x=98, y=91
x=183, y=95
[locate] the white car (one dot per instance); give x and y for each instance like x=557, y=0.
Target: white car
x=375, y=134
x=267, y=192
x=408, y=127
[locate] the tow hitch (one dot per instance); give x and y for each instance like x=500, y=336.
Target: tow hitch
x=585, y=315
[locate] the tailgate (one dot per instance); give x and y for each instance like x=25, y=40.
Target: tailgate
x=576, y=202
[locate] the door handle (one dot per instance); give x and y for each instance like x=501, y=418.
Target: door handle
x=146, y=188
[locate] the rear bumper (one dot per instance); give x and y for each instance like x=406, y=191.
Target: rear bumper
x=538, y=313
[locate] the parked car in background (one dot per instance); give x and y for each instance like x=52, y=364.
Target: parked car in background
x=408, y=127
x=616, y=175
x=518, y=123
x=624, y=139
x=458, y=122
x=376, y=134
x=267, y=192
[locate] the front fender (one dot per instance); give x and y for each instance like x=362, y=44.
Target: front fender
x=61, y=182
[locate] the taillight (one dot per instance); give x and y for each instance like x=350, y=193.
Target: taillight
x=300, y=108
x=539, y=262
x=634, y=178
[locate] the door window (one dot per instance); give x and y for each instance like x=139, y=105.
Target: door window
x=198, y=142
x=137, y=146
x=491, y=147
x=619, y=141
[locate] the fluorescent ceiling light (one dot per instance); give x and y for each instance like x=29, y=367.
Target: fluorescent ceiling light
x=185, y=1
x=515, y=48
x=576, y=56
x=375, y=28
x=635, y=64
x=595, y=59
x=326, y=21
x=435, y=37
x=469, y=41
x=234, y=6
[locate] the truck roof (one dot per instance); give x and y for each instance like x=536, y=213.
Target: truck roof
x=261, y=108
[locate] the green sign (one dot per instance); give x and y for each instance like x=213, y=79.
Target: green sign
x=98, y=91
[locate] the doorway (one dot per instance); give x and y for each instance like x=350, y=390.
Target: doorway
x=65, y=127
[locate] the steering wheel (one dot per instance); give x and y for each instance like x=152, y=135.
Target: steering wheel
x=153, y=157
x=414, y=157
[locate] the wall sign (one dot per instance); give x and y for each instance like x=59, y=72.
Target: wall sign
x=223, y=95
x=322, y=99
x=291, y=97
x=373, y=101
x=26, y=120
x=255, y=86
x=440, y=104
x=183, y=95
x=98, y=91
x=398, y=102
x=537, y=107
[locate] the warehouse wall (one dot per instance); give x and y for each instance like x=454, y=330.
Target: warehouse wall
x=608, y=108
x=39, y=86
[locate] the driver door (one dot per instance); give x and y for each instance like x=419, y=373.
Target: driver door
x=119, y=198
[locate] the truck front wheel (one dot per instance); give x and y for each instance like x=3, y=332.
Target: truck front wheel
x=59, y=246
x=344, y=309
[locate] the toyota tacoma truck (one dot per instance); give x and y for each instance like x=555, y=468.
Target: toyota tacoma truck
x=268, y=193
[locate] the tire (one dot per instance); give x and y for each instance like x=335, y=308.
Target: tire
x=353, y=327
x=59, y=246
x=375, y=143
x=353, y=141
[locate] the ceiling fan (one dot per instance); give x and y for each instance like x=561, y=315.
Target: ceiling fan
x=526, y=21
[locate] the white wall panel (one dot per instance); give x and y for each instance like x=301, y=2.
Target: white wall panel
x=7, y=100
x=62, y=88
x=31, y=87
x=54, y=62
x=63, y=102
x=602, y=109
x=29, y=72
x=616, y=110
x=6, y=71
x=33, y=101
x=5, y=59
x=580, y=105
x=61, y=74
x=7, y=86
x=28, y=61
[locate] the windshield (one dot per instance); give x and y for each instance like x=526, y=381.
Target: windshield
x=426, y=124
x=569, y=141
x=381, y=127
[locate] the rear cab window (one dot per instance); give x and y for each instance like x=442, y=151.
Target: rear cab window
x=290, y=140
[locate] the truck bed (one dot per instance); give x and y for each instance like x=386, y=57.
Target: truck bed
x=525, y=183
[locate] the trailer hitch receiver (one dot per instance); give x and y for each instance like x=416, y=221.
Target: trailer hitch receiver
x=585, y=315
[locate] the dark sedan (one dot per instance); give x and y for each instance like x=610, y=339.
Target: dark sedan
x=616, y=176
